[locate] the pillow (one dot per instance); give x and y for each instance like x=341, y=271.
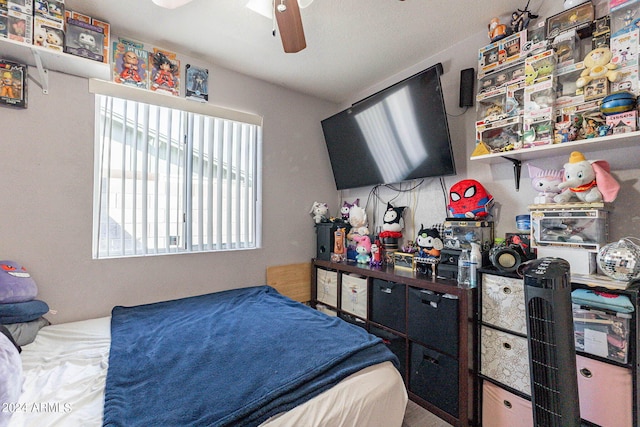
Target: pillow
x=24, y=333
x=22, y=311
x=606, y=300
x=16, y=284
x=7, y=334
x=10, y=376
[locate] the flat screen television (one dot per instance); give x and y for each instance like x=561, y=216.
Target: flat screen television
x=398, y=134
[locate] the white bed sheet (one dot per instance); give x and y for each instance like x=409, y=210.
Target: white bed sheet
x=65, y=370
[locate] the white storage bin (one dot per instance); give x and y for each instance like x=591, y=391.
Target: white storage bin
x=505, y=358
x=327, y=286
x=354, y=295
x=503, y=303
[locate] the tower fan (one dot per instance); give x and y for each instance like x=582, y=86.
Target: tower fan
x=554, y=383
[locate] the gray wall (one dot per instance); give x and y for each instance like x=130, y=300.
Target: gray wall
x=46, y=165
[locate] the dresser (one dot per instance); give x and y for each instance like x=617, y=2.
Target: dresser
x=429, y=325
x=607, y=388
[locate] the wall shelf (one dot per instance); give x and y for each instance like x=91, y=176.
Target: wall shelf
x=45, y=59
x=564, y=149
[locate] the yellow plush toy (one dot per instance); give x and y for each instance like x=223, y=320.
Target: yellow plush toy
x=598, y=64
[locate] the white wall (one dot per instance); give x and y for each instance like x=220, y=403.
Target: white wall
x=46, y=165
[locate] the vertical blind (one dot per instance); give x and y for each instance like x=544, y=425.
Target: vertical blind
x=172, y=181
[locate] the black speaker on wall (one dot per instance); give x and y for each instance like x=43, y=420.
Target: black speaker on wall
x=467, y=79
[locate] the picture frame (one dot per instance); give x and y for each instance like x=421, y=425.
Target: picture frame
x=578, y=17
x=197, y=83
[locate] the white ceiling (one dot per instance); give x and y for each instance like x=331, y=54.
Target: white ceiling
x=351, y=44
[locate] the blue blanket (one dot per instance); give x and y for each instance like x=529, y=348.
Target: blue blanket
x=232, y=358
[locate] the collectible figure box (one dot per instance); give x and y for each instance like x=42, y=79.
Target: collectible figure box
x=501, y=54
x=48, y=33
x=84, y=40
x=50, y=9
x=404, y=260
x=573, y=228
x=579, y=17
x=567, y=92
x=106, y=31
x=458, y=234
x=628, y=81
x=13, y=84
x=197, y=86
x=618, y=4
x=624, y=49
x=567, y=47
x=22, y=6
x=130, y=64
x=500, y=136
x=540, y=67
x=4, y=24
x=538, y=127
x=623, y=122
x=20, y=26
x=602, y=333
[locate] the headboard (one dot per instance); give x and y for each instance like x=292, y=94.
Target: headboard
x=292, y=280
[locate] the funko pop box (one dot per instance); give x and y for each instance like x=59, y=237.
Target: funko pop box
x=85, y=40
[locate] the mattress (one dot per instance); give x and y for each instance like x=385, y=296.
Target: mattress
x=65, y=370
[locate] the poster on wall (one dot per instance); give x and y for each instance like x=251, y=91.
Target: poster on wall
x=165, y=72
x=197, y=86
x=130, y=63
x=13, y=84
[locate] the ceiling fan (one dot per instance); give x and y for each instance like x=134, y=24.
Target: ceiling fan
x=286, y=12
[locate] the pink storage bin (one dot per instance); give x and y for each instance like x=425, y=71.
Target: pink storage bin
x=503, y=409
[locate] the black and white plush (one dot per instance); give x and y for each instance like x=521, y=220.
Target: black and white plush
x=392, y=219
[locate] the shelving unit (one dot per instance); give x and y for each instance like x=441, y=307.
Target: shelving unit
x=45, y=59
x=428, y=324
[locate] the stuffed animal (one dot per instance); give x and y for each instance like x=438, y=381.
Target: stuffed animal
x=363, y=248
x=587, y=180
x=358, y=222
x=429, y=243
x=469, y=199
x=546, y=183
x=319, y=212
x=598, y=64
x=393, y=222
x=346, y=207
x=16, y=284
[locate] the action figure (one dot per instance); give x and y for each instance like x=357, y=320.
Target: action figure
x=165, y=71
x=130, y=67
x=7, y=85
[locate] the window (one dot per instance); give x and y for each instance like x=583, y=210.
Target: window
x=173, y=181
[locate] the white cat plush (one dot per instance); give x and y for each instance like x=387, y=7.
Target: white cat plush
x=545, y=182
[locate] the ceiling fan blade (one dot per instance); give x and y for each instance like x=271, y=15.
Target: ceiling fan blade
x=290, y=26
x=171, y=4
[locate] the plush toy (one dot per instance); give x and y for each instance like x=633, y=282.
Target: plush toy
x=598, y=64
x=346, y=207
x=16, y=284
x=363, y=248
x=546, y=183
x=587, y=180
x=358, y=222
x=469, y=199
x=319, y=212
x=429, y=243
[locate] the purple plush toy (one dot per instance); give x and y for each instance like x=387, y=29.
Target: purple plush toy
x=16, y=285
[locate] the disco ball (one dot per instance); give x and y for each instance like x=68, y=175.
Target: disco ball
x=620, y=260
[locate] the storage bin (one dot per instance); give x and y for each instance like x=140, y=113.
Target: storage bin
x=327, y=287
x=326, y=310
x=503, y=303
x=353, y=320
x=504, y=357
x=501, y=408
x=570, y=228
x=354, y=295
x=389, y=304
x=433, y=319
x=605, y=334
x=396, y=344
x=605, y=393
x=434, y=377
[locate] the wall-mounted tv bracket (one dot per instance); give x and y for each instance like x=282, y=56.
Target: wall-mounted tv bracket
x=517, y=169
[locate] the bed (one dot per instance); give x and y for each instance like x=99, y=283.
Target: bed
x=174, y=363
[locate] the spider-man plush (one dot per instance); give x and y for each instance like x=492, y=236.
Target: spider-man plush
x=469, y=199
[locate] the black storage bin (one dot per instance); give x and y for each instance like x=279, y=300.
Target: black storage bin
x=396, y=344
x=388, y=304
x=434, y=377
x=433, y=319
x=353, y=320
